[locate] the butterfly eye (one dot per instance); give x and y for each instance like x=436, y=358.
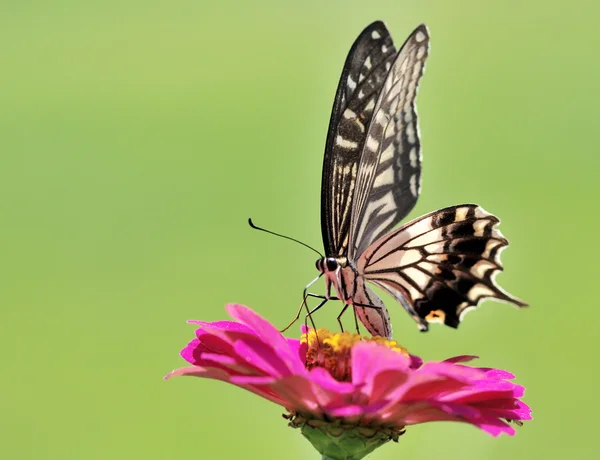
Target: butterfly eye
x=331, y=264
x=319, y=265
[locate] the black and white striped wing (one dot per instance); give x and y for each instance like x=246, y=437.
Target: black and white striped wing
x=364, y=73
x=389, y=173
x=440, y=265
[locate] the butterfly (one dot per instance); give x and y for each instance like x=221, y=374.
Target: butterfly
x=437, y=266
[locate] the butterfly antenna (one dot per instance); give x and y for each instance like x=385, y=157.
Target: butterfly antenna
x=282, y=236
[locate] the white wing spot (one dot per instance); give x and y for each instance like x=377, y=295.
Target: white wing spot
x=390, y=131
x=361, y=94
x=410, y=257
x=349, y=114
x=381, y=118
x=420, y=36
x=420, y=278
x=372, y=143
x=489, y=247
x=479, y=227
x=421, y=52
x=432, y=236
x=368, y=62
x=384, y=49
x=351, y=84
x=375, y=35
x=387, y=153
x=461, y=214
x=417, y=70
x=481, y=268
x=344, y=143
x=370, y=105
x=435, y=248
x=410, y=133
x=413, y=184
x=413, y=157
x=478, y=291
x=481, y=213
x=388, y=65
x=361, y=77
x=384, y=178
x=360, y=125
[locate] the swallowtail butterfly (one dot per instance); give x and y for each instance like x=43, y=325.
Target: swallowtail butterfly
x=437, y=266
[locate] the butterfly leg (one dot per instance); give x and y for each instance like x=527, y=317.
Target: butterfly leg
x=339, y=317
x=295, y=317
x=305, y=295
x=309, y=313
x=355, y=320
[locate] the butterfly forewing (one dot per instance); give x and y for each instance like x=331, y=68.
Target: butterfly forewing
x=363, y=76
x=388, y=180
x=440, y=265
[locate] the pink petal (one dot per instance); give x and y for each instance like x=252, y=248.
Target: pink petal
x=229, y=326
x=497, y=374
x=387, y=384
x=197, y=371
x=485, y=391
x=494, y=426
x=461, y=373
x=192, y=352
x=461, y=359
x=261, y=356
x=299, y=392
x=428, y=386
x=228, y=363
x=323, y=379
x=461, y=410
x=298, y=348
x=219, y=340
x=350, y=412
x=328, y=392
x=294, y=345
x=370, y=359
x=415, y=414
x=267, y=333
x=415, y=362
x=513, y=409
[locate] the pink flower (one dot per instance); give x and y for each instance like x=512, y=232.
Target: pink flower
x=372, y=385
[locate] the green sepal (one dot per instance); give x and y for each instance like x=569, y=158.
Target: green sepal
x=343, y=441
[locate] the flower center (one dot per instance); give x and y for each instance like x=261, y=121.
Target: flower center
x=333, y=351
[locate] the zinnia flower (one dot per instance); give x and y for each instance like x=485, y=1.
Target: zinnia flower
x=347, y=393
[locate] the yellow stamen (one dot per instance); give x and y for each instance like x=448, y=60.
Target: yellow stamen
x=332, y=351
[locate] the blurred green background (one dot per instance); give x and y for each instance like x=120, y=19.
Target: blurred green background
x=136, y=138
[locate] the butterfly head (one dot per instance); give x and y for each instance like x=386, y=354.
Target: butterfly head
x=328, y=264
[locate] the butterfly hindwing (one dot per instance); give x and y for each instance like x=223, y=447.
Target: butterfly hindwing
x=388, y=181
x=440, y=265
x=362, y=78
